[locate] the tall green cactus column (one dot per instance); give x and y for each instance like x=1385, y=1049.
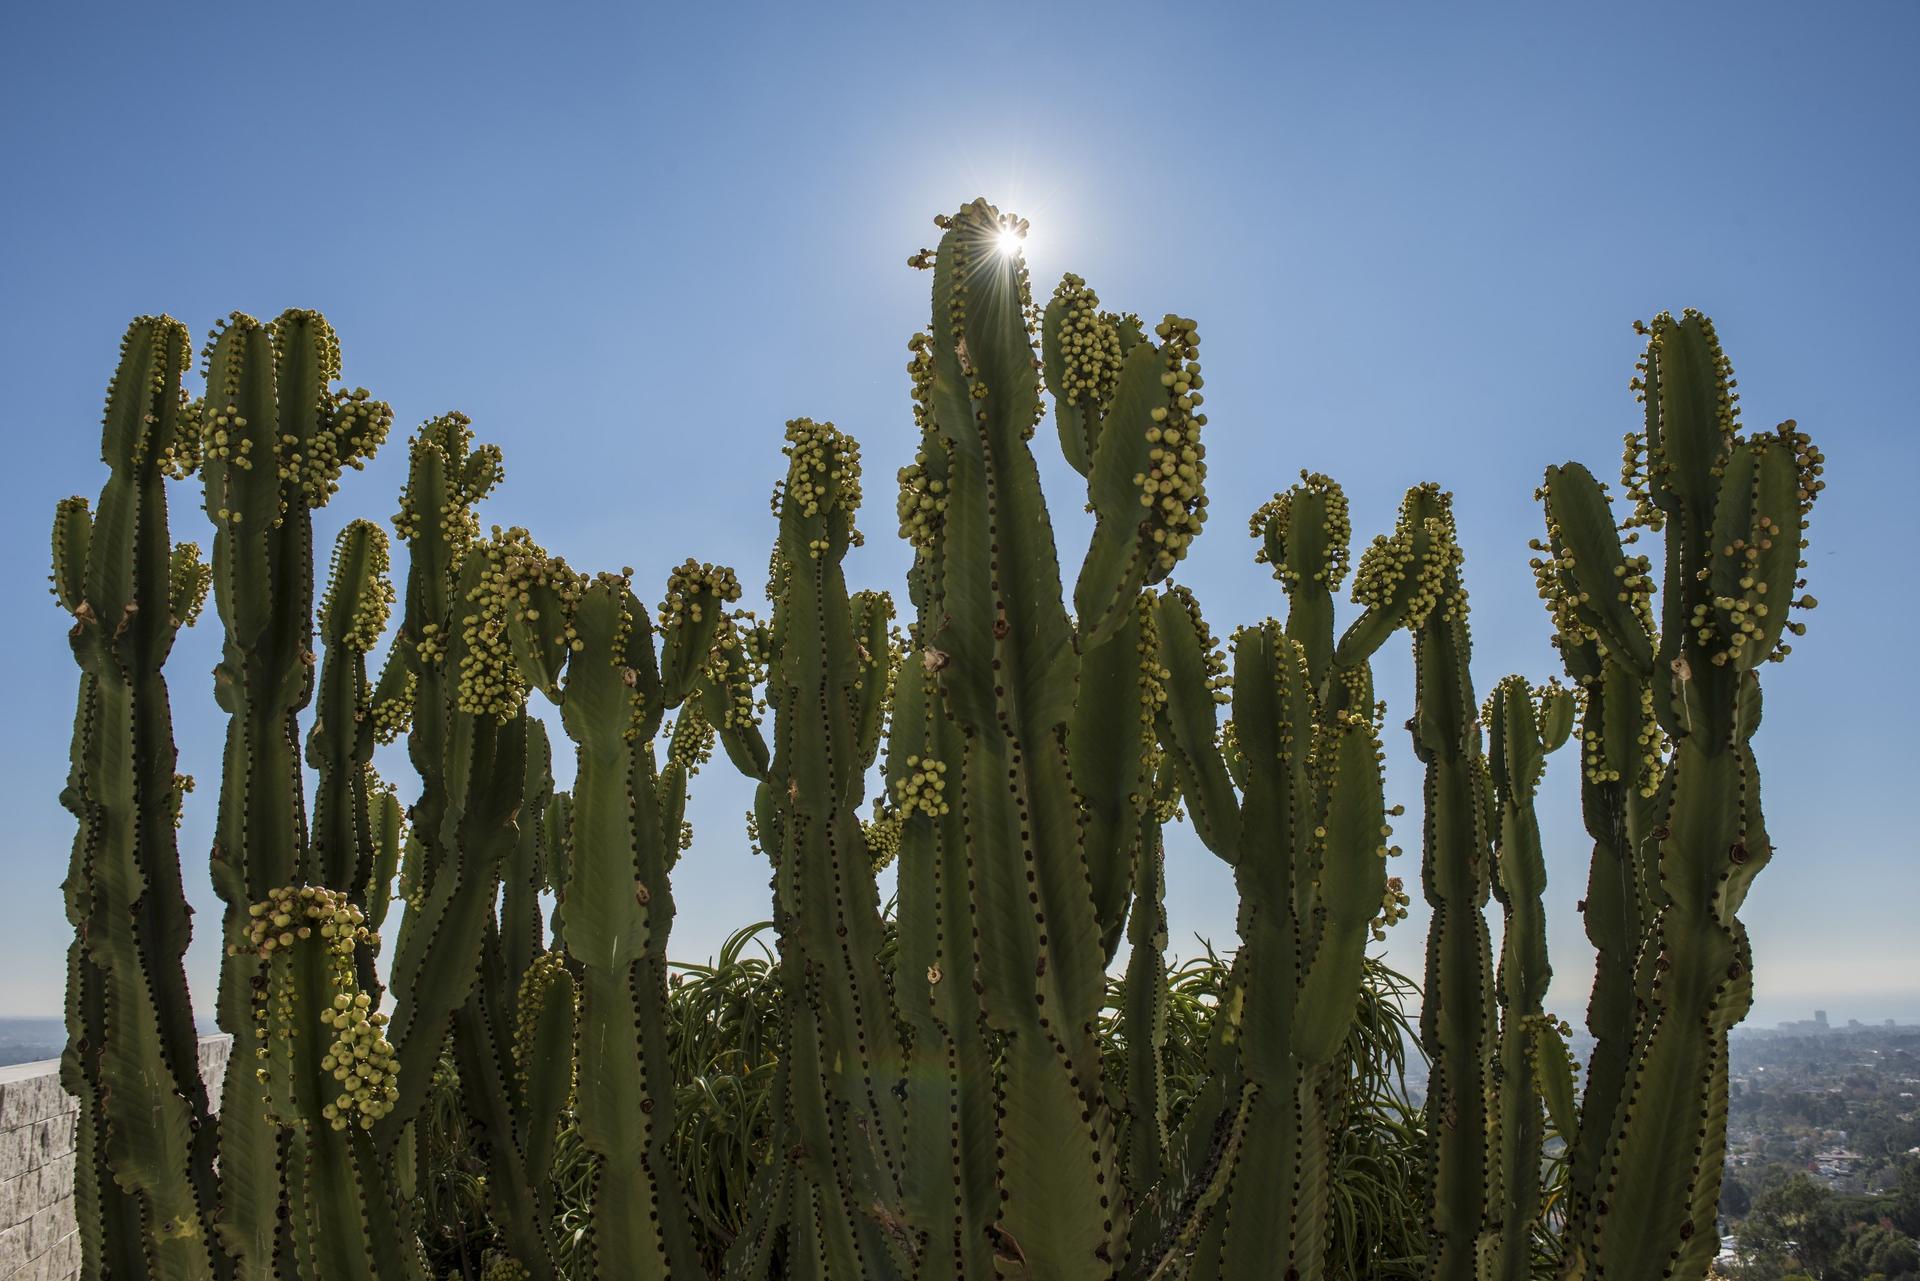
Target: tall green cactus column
x=1733, y=507
x=143, y=1179
x=834, y=1189
x=513, y=1039
x=1523, y=726
x=1457, y=1020
x=1621, y=762
x=995, y=635
x=1307, y=839
x=449, y=678
x=590, y=646
x=276, y=438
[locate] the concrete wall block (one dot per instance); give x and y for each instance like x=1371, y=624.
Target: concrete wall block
x=38, y=1236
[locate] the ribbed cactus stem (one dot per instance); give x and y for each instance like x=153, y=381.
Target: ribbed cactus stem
x=619, y=911
x=1457, y=1025
x=994, y=634
x=1733, y=508
x=1309, y=849
x=837, y=1168
x=1523, y=725
x=144, y=1172
x=275, y=437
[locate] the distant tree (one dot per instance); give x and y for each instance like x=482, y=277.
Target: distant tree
x=1876, y=1251
x=1736, y=1199
x=1797, y=1218
x=1905, y=1209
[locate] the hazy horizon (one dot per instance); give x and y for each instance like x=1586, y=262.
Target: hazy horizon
x=1413, y=241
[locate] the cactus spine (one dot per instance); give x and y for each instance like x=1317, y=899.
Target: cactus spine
x=143, y=1178
x=1733, y=508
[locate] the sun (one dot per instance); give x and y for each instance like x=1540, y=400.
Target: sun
x=1011, y=240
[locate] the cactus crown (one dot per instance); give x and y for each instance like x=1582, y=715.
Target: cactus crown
x=1305, y=533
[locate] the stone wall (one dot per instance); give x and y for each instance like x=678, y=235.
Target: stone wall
x=38, y=1240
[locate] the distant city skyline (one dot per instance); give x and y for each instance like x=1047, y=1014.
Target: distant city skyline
x=1413, y=240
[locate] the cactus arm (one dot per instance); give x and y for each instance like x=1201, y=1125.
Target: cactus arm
x=465, y=823
x=726, y=692
x=948, y=1179
x=1081, y=355
x=1145, y=1016
x=517, y=1201
x=1147, y=486
x=1305, y=534
x=1195, y=684
x=1521, y=726
x=145, y=1155
x=1112, y=744
x=690, y=617
x=619, y=907
x=344, y=849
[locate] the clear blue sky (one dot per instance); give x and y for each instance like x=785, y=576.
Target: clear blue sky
x=632, y=243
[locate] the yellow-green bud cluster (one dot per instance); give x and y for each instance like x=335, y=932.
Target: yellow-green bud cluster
x=490, y=680
x=732, y=669
x=296, y=912
x=188, y=578
x=393, y=715
x=182, y=784
x=361, y=1060
x=181, y=455
x=372, y=597
x=923, y=789
x=504, y=1267
x=1214, y=662
x=536, y=986
x=690, y=589
x=823, y=475
x=1153, y=688
x=1090, y=339
x=1273, y=522
x=882, y=835
x=351, y=426
x=922, y=504
x=222, y=441
x=1173, y=488
x=690, y=742
x=1393, y=561
x=1393, y=908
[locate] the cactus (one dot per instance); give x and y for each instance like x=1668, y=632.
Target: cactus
x=446, y=677
x=513, y=1039
x=1306, y=835
x=1457, y=1021
x=1523, y=726
x=1733, y=508
x=1025, y=739
x=275, y=437
x=144, y=1184
x=831, y=1194
x=589, y=646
